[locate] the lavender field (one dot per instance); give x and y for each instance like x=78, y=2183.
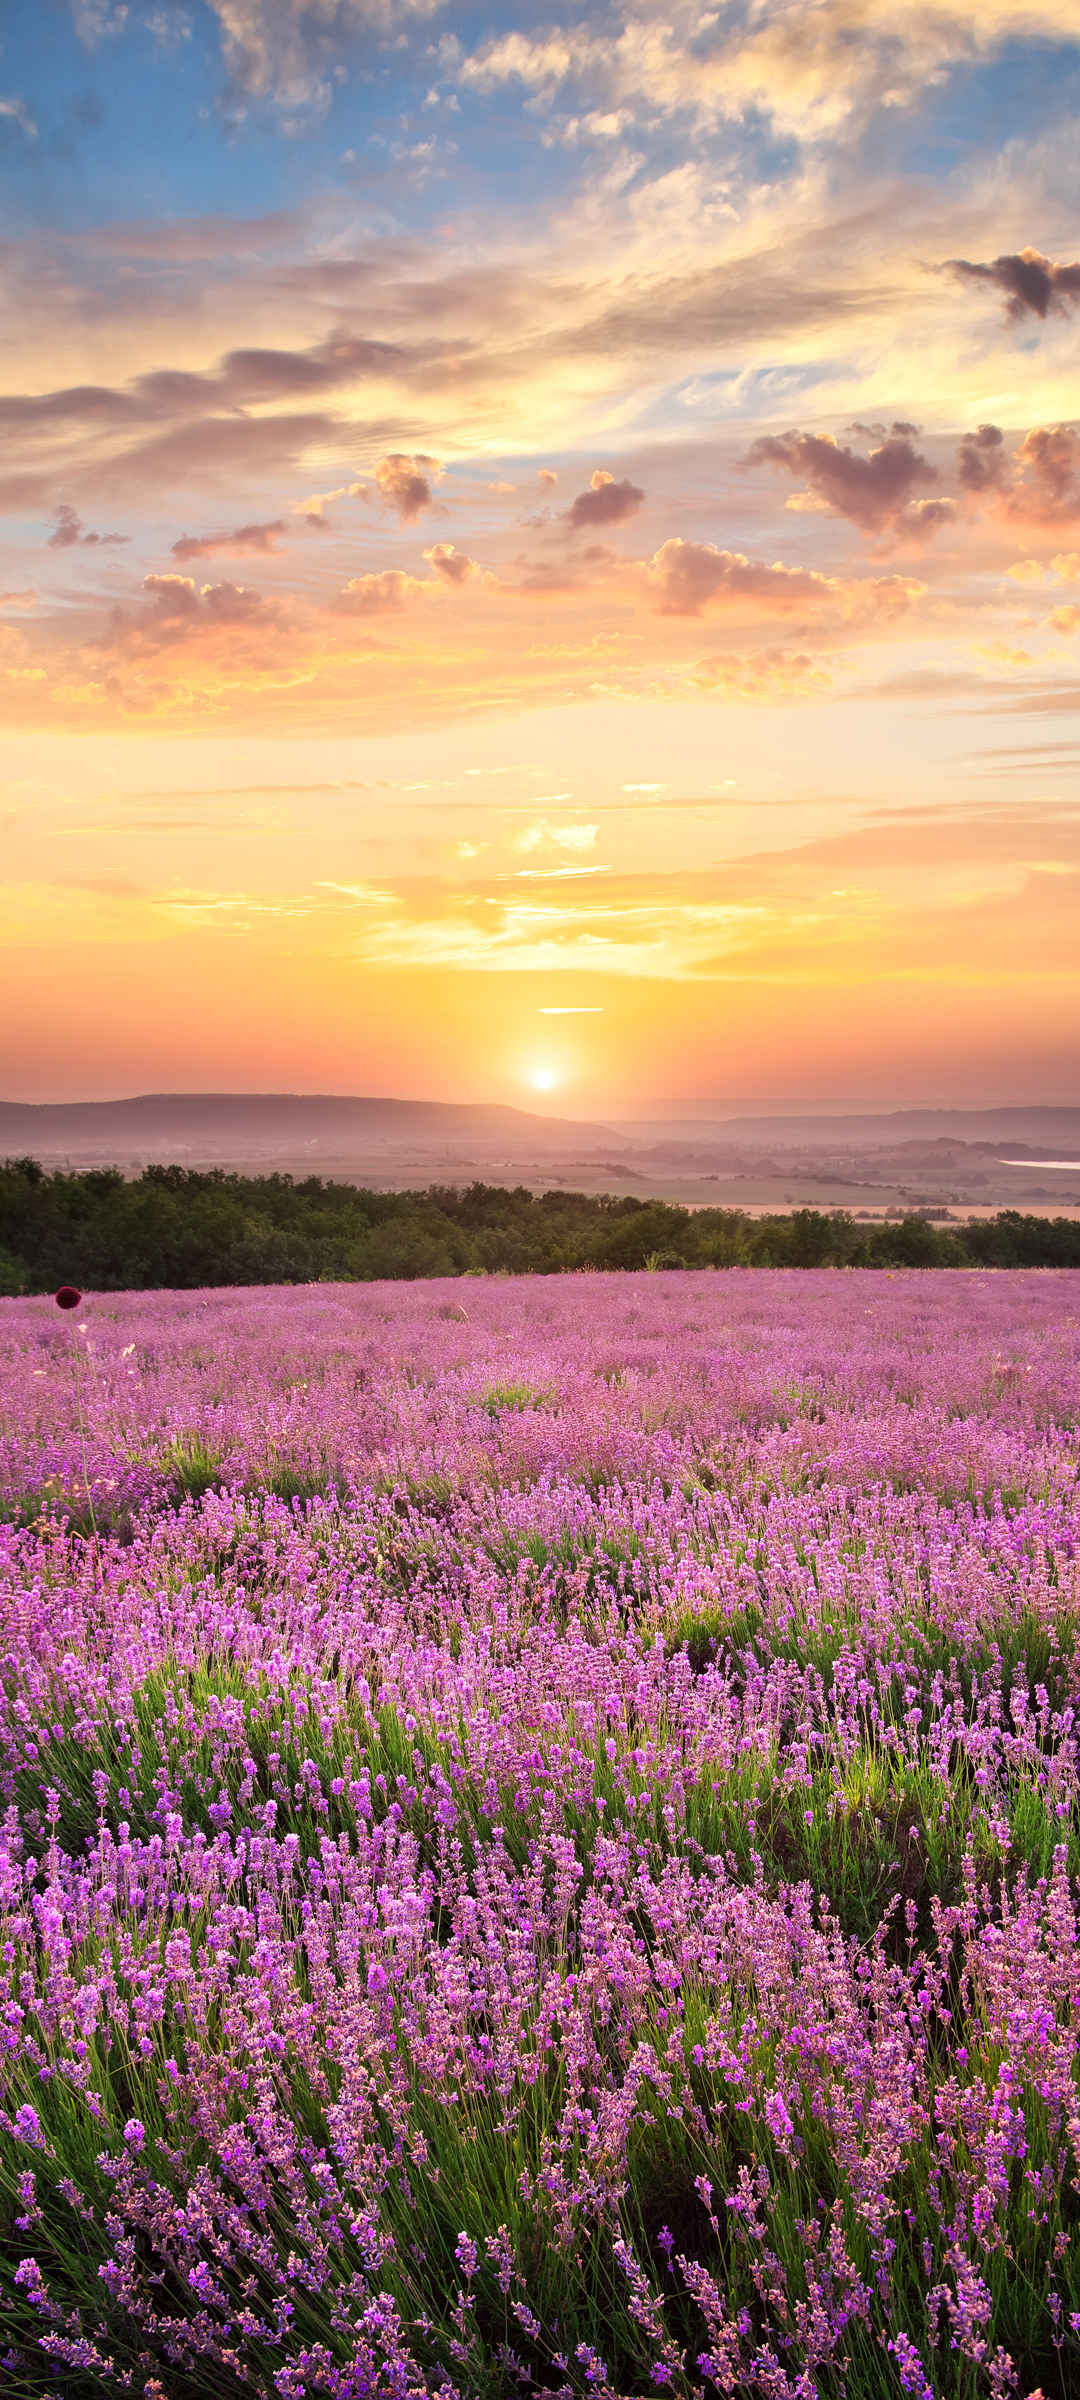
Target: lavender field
x=541, y=1840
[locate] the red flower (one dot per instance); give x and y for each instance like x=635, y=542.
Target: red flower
x=68, y=1297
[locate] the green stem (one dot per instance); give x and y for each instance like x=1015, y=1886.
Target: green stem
x=80, y=1413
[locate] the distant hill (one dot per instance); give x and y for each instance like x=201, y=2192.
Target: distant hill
x=1037, y=1126
x=246, y=1128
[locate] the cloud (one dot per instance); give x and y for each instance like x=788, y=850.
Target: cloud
x=315, y=506
x=812, y=72
x=389, y=588
x=226, y=911
x=563, y=837
x=769, y=291
x=80, y=404
x=198, y=453
x=243, y=378
x=368, y=894
x=212, y=447
x=405, y=482
x=981, y=460
x=453, y=567
x=688, y=578
x=762, y=675
x=605, y=503
x=245, y=541
x=71, y=533
x=1034, y=286
x=632, y=929
x=924, y=517
x=175, y=606
x=288, y=51
x=1047, y=486
x=547, y=478
x=1065, y=568
x=99, y=20
x=15, y=112
x=374, y=595
x=182, y=650
x=876, y=492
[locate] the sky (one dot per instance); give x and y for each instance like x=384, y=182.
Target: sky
x=540, y=551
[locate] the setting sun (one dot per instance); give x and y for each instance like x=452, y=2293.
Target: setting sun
x=543, y=1079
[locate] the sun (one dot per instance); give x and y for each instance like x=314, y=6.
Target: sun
x=543, y=1079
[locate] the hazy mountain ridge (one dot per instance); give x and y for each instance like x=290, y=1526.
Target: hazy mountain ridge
x=968, y=1125
x=939, y=1158
x=281, y=1115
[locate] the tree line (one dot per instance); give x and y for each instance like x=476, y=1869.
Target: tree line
x=179, y=1228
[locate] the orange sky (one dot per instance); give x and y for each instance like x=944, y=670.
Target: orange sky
x=541, y=566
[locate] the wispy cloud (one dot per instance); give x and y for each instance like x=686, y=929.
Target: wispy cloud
x=15, y=112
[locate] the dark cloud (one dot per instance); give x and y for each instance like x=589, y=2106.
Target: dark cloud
x=876, y=492
x=245, y=378
x=72, y=534
x=174, y=607
x=881, y=433
x=79, y=403
x=246, y=541
x=1033, y=285
x=980, y=459
x=924, y=517
x=405, y=482
x=605, y=503
x=242, y=379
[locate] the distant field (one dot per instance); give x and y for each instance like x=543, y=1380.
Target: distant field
x=541, y=1840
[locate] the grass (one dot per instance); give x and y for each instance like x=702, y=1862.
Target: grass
x=503, y=1399
x=191, y=1466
